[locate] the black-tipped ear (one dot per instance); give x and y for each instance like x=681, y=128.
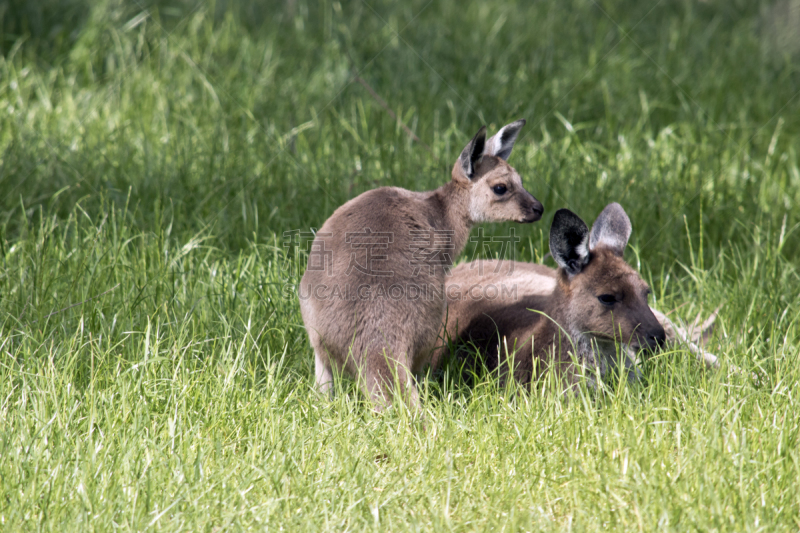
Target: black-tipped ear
x=503, y=141
x=569, y=238
x=473, y=153
x=612, y=229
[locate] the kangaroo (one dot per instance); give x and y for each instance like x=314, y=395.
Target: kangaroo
x=372, y=296
x=591, y=302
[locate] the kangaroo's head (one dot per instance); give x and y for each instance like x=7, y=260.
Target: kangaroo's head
x=495, y=189
x=606, y=298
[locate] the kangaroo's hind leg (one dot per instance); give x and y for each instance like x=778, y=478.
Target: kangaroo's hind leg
x=382, y=372
x=322, y=365
x=323, y=373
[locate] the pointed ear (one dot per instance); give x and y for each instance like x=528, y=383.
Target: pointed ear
x=569, y=237
x=612, y=229
x=473, y=153
x=503, y=141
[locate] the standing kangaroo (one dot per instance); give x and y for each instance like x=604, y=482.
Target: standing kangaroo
x=591, y=302
x=372, y=296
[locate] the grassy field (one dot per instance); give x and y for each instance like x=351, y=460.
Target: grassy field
x=154, y=371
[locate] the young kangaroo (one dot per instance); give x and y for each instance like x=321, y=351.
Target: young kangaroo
x=372, y=296
x=591, y=302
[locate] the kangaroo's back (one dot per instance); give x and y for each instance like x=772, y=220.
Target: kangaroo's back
x=370, y=244
x=489, y=308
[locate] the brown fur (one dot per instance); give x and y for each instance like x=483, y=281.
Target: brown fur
x=368, y=331
x=544, y=316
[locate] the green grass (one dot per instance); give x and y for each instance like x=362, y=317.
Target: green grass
x=154, y=372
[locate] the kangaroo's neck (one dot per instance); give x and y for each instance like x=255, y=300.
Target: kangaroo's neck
x=587, y=349
x=561, y=312
x=452, y=201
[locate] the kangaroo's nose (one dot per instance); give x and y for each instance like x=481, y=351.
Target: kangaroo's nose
x=537, y=209
x=657, y=339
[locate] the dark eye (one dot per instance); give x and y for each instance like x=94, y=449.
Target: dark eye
x=499, y=190
x=607, y=299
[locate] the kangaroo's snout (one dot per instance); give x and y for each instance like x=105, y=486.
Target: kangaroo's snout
x=535, y=209
x=655, y=337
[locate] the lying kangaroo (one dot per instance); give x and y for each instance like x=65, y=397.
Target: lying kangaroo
x=593, y=301
x=372, y=296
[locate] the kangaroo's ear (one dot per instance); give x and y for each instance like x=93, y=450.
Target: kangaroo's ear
x=503, y=141
x=612, y=229
x=473, y=153
x=569, y=237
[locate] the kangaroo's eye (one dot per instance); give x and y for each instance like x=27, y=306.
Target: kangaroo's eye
x=499, y=190
x=607, y=299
